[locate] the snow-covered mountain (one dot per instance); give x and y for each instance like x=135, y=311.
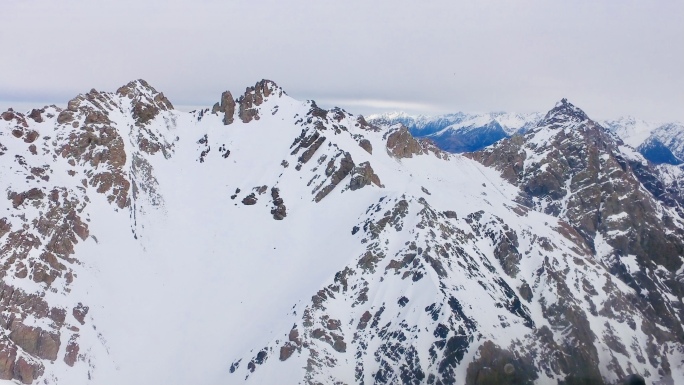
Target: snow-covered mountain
x=266, y=240
x=461, y=132
x=657, y=142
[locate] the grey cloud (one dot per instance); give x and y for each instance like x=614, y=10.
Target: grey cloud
x=610, y=57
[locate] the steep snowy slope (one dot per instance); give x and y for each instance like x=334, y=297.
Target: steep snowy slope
x=266, y=240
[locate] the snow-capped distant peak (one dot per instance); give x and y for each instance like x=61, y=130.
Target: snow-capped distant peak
x=391, y=116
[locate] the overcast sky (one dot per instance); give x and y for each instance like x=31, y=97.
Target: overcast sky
x=611, y=58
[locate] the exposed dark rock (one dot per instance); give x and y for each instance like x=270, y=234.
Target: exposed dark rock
x=366, y=145
x=5, y=227
x=19, y=198
x=286, y=351
x=450, y=214
x=279, y=211
x=363, y=175
x=254, y=97
x=72, y=349
x=8, y=115
x=338, y=343
x=317, y=112
x=79, y=312
x=26, y=371
x=363, y=321
x=249, y=200
x=36, y=115
x=97, y=117
x=31, y=136
x=306, y=155
x=363, y=124
x=145, y=100
x=506, y=251
x=337, y=174
x=402, y=144
x=65, y=117
x=525, y=292
x=227, y=106
x=8, y=356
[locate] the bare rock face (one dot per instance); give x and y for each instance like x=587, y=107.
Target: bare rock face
x=65, y=117
x=20, y=120
x=5, y=227
x=31, y=195
x=227, y=107
x=146, y=101
x=309, y=143
x=85, y=146
x=279, y=211
x=8, y=356
x=26, y=371
x=79, y=312
x=34, y=341
x=401, y=144
x=249, y=200
x=36, y=115
x=506, y=250
x=363, y=175
x=71, y=354
x=364, y=125
x=366, y=145
x=254, y=97
x=337, y=173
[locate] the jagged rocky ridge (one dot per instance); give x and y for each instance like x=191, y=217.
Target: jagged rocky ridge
x=292, y=244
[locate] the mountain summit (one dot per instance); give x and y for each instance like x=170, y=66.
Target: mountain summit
x=268, y=240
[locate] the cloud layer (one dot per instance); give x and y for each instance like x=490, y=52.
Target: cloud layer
x=610, y=57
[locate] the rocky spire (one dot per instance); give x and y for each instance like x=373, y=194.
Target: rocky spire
x=254, y=97
x=563, y=113
x=145, y=100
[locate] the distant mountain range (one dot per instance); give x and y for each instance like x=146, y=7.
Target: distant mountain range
x=658, y=142
x=462, y=132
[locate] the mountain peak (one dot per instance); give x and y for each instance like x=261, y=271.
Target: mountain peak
x=146, y=100
x=141, y=89
x=563, y=113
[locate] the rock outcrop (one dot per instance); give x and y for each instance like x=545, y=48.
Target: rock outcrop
x=402, y=144
x=254, y=97
x=227, y=107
